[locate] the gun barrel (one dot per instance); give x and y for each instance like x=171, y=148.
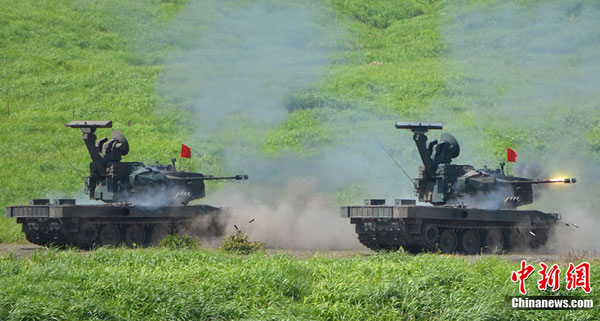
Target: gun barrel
x=565, y=180
x=418, y=126
x=236, y=177
x=204, y=178
x=551, y=181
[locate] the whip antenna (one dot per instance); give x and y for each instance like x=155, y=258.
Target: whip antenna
x=67, y=159
x=392, y=157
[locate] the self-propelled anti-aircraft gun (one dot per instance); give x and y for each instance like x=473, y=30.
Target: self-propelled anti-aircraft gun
x=440, y=182
x=473, y=210
x=143, y=203
x=112, y=180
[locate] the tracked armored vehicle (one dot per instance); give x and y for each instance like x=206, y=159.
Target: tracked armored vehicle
x=141, y=203
x=472, y=210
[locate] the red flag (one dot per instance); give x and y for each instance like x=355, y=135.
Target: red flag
x=511, y=155
x=186, y=152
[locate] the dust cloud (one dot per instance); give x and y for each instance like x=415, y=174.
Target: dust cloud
x=237, y=69
x=527, y=74
x=530, y=74
x=295, y=217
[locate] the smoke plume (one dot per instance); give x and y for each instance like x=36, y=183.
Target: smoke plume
x=298, y=216
x=530, y=75
x=239, y=76
x=525, y=75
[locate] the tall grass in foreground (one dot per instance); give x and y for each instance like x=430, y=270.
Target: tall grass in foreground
x=162, y=284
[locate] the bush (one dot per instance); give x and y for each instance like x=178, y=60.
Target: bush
x=380, y=14
x=239, y=243
x=176, y=241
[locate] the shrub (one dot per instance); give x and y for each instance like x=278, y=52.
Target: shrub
x=176, y=241
x=239, y=243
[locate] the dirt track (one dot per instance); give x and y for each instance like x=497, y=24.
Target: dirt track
x=23, y=250
x=18, y=249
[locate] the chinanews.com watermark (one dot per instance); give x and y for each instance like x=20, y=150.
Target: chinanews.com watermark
x=551, y=302
x=576, y=277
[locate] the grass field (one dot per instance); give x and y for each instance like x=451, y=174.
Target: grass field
x=406, y=60
x=161, y=284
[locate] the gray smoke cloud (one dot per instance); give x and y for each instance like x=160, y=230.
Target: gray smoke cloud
x=300, y=218
x=514, y=71
x=240, y=71
x=530, y=74
x=293, y=197
x=489, y=200
x=241, y=61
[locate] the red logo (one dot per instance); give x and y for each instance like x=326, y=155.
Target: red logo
x=549, y=277
x=577, y=277
x=522, y=275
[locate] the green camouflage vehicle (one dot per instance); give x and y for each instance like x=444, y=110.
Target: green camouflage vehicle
x=142, y=203
x=472, y=210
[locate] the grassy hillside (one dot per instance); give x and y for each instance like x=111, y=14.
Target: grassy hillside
x=64, y=61
x=88, y=60
x=402, y=60
x=83, y=59
x=159, y=284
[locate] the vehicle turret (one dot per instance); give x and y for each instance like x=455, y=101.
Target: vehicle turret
x=440, y=182
x=112, y=180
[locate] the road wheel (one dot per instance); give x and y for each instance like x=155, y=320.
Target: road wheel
x=33, y=232
x=368, y=241
x=110, y=235
x=494, y=242
x=431, y=234
x=135, y=236
x=88, y=234
x=159, y=231
x=518, y=240
x=471, y=242
x=448, y=241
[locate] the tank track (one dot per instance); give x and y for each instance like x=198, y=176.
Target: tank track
x=133, y=233
x=513, y=238
x=65, y=223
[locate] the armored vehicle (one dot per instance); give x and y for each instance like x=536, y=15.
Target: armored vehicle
x=472, y=210
x=141, y=203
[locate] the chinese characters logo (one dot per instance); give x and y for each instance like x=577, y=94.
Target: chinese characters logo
x=577, y=276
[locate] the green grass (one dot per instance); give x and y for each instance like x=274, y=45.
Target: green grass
x=176, y=241
x=64, y=61
x=162, y=284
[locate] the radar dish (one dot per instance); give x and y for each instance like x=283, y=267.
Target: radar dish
x=454, y=147
x=118, y=136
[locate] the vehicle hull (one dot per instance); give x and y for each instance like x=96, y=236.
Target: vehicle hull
x=65, y=223
x=449, y=229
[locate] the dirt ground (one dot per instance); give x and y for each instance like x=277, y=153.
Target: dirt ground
x=24, y=250
x=19, y=250
x=517, y=257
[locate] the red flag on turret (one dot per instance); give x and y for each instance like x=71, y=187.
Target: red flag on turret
x=186, y=152
x=511, y=155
